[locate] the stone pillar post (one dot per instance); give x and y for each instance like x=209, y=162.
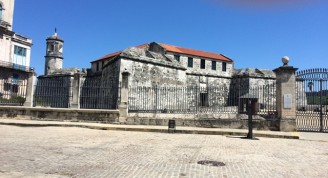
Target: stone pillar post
x=286, y=96
x=30, y=90
x=123, y=106
x=76, y=89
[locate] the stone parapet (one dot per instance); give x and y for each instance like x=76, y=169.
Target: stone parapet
x=59, y=114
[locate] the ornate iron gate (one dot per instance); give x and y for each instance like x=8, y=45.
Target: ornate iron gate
x=312, y=100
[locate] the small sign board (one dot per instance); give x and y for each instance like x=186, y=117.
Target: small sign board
x=288, y=101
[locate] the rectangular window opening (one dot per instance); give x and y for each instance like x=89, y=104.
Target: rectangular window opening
x=213, y=65
x=203, y=99
x=202, y=63
x=177, y=58
x=190, y=62
x=20, y=51
x=224, y=66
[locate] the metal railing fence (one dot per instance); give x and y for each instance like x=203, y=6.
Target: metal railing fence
x=194, y=99
x=53, y=92
x=15, y=66
x=95, y=95
x=312, y=100
x=12, y=92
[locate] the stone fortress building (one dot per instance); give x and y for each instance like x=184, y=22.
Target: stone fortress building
x=15, y=52
x=161, y=64
x=157, y=64
x=162, y=80
x=211, y=77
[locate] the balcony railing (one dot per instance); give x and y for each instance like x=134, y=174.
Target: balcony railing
x=15, y=66
x=4, y=24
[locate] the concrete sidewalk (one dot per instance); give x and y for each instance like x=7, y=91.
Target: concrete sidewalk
x=148, y=128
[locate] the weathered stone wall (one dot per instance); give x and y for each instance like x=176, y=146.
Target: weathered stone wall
x=110, y=81
x=143, y=73
x=256, y=83
x=210, y=81
x=232, y=121
x=217, y=89
x=266, y=89
x=56, y=114
x=52, y=65
x=145, y=77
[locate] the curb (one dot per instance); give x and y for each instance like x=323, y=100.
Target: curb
x=158, y=130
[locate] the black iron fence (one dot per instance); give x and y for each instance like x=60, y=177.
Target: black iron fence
x=312, y=100
x=12, y=92
x=53, y=92
x=96, y=95
x=194, y=99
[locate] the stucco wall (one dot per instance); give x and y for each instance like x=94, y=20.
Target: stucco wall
x=5, y=46
x=8, y=13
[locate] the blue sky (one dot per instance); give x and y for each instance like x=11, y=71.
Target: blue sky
x=255, y=33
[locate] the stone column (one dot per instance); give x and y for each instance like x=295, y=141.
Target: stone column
x=123, y=106
x=286, y=96
x=30, y=90
x=76, y=89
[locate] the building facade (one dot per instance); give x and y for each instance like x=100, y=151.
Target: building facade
x=161, y=77
x=163, y=64
x=15, y=52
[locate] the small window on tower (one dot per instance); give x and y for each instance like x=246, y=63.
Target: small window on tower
x=60, y=48
x=51, y=47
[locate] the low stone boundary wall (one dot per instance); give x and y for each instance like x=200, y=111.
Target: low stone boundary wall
x=59, y=114
x=232, y=121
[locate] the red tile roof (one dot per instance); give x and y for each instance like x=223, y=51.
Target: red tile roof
x=177, y=49
x=109, y=56
x=193, y=52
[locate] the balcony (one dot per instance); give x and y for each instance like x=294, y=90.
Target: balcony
x=4, y=24
x=15, y=66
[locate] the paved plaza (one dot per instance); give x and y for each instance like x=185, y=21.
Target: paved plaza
x=80, y=152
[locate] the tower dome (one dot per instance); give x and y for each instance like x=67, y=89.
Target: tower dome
x=54, y=54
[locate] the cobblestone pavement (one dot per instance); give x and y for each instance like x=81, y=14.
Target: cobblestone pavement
x=79, y=152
